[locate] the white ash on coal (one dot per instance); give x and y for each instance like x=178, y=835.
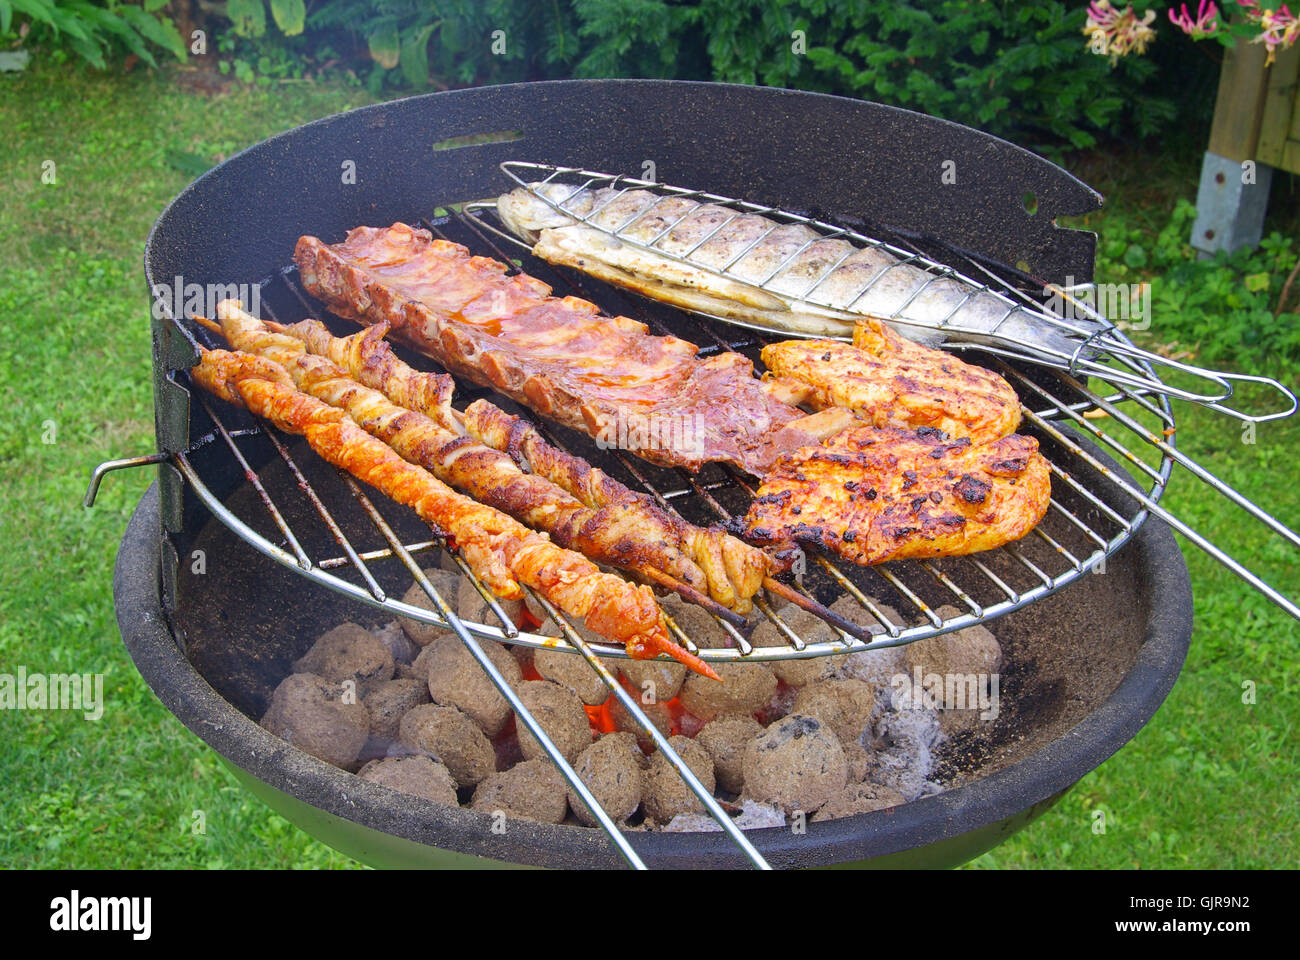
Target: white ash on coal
x=348, y=653
x=796, y=764
x=956, y=673
x=456, y=679
x=844, y=705
x=725, y=739
x=824, y=738
x=573, y=672
x=665, y=794
x=902, y=750
x=388, y=702
x=319, y=717
x=531, y=790
x=416, y=775
x=447, y=735
x=612, y=768
x=402, y=647
x=858, y=798
x=753, y=816
x=561, y=716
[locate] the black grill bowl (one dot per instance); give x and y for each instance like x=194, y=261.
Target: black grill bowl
x=1146, y=647
x=1090, y=663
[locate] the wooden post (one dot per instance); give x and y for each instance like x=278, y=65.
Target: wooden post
x=1279, y=133
x=1239, y=108
x=1256, y=128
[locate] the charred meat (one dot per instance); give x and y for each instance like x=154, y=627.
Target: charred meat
x=605, y=376
x=873, y=494
x=888, y=380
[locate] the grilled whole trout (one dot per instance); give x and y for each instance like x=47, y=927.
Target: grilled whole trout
x=872, y=494
x=822, y=291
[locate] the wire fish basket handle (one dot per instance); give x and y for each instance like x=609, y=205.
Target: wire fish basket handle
x=1226, y=379
x=1090, y=347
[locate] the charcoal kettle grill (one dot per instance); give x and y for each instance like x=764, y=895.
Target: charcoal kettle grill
x=293, y=547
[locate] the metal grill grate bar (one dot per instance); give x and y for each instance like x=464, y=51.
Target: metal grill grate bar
x=1154, y=507
x=340, y=537
x=704, y=491
x=333, y=563
x=452, y=621
x=1168, y=449
x=301, y=555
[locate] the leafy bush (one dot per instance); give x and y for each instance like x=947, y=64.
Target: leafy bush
x=249, y=16
x=1000, y=66
x=408, y=42
x=93, y=31
x=1005, y=66
x=1225, y=309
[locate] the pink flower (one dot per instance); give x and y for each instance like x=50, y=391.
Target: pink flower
x=1206, y=22
x=1115, y=33
x=1278, y=29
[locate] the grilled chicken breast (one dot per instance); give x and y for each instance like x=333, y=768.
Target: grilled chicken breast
x=872, y=494
x=888, y=380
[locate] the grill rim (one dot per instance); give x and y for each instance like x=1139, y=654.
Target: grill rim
x=501, y=106
x=1068, y=195
x=982, y=803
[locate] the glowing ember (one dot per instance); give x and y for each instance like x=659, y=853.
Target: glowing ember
x=602, y=716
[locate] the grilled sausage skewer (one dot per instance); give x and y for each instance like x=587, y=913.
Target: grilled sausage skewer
x=501, y=551
x=608, y=522
x=725, y=559
x=487, y=475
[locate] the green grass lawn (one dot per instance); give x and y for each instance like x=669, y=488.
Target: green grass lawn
x=1209, y=783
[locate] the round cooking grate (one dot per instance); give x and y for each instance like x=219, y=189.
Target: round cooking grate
x=1095, y=508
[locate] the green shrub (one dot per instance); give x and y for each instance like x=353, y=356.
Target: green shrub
x=1007, y=67
x=1003, y=67
x=92, y=31
x=1221, y=308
